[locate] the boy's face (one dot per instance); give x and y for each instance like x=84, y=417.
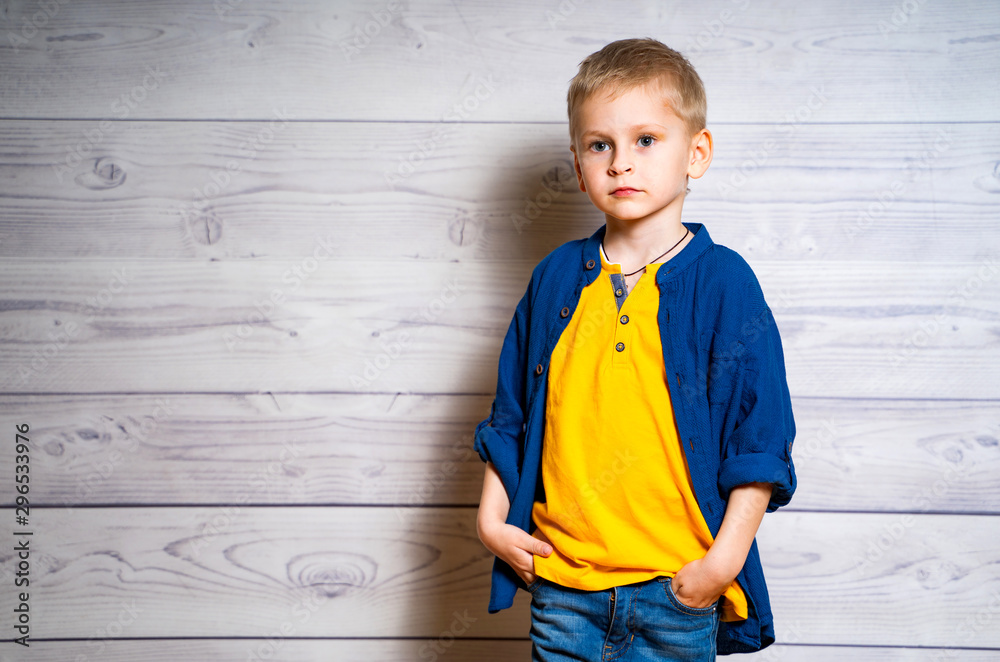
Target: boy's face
x=633, y=154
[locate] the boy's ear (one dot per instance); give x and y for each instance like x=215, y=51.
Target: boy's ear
x=576, y=166
x=701, y=153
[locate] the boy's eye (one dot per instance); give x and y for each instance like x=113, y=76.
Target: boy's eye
x=598, y=146
x=646, y=141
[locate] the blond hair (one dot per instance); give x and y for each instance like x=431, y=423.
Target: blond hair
x=629, y=63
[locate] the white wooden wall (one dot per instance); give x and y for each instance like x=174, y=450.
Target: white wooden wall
x=218, y=476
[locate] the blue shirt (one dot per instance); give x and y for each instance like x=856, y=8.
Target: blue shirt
x=726, y=374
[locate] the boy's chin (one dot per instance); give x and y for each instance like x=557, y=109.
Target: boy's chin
x=637, y=217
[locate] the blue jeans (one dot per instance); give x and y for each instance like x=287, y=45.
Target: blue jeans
x=640, y=621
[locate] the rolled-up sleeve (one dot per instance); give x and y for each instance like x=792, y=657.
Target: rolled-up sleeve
x=499, y=437
x=758, y=446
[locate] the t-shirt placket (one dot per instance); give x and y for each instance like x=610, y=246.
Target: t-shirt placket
x=621, y=352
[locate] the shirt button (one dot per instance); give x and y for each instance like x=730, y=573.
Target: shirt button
x=620, y=347
x=619, y=292
x=538, y=369
x=564, y=312
x=590, y=264
x=624, y=319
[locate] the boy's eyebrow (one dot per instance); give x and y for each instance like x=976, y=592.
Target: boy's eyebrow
x=630, y=129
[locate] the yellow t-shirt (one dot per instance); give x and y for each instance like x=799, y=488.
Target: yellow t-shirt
x=620, y=507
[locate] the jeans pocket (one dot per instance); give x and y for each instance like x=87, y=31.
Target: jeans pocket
x=533, y=586
x=680, y=606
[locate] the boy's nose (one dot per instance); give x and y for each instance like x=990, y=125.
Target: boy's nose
x=619, y=166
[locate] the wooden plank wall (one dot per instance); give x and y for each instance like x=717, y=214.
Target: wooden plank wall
x=258, y=259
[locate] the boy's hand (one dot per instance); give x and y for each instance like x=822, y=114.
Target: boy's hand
x=514, y=546
x=702, y=581
x=699, y=583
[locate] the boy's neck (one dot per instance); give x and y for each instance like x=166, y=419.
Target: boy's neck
x=634, y=244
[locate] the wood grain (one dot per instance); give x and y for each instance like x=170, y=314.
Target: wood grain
x=410, y=451
x=899, y=330
x=401, y=450
x=863, y=579
x=359, y=572
x=238, y=60
x=203, y=191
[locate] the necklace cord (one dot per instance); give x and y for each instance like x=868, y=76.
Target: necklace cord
x=687, y=231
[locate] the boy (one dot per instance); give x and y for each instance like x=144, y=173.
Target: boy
x=647, y=359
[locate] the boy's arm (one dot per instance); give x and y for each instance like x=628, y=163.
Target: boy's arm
x=757, y=440
x=756, y=474
x=506, y=541
x=700, y=583
x=493, y=504
x=498, y=438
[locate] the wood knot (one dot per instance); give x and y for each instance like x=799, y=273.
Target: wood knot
x=106, y=174
x=991, y=182
x=205, y=228
x=332, y=573
x=932, y=574
x=462, y=230
x=559, y=177
x=54, y=448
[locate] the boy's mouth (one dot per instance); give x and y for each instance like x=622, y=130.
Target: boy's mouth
x=624, y=191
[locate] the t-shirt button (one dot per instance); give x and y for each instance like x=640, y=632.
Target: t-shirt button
x=624, y=319
x=619, y=292
x=620, y=347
